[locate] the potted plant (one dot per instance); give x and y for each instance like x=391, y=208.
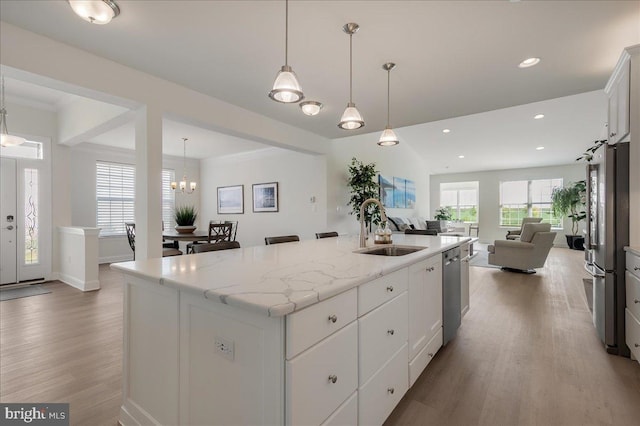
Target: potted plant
x=185, y=217
x=363, y=185
x=570, y=201
x=444, y=215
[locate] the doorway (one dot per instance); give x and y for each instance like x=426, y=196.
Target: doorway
x=25, y=213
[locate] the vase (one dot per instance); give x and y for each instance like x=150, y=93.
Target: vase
x=185, y=229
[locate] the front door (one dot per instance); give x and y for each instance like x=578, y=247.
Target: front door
x=8, y=215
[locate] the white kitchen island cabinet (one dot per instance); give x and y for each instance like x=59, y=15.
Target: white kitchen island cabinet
x=304, y=333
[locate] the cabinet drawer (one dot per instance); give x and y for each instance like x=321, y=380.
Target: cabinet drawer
x=464, y=250
x=633, y=264
x=322, y=378
x=424, y=357
x=380, y=334
x=378, y=291
x=633, y=294
x=378, y=397
x=346, y=414
x=633, y=334
x=310, y=325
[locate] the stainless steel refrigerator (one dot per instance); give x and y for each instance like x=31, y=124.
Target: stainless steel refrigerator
x=607, y=234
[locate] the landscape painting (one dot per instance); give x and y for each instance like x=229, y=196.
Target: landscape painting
x=386, y=190
x=397, y=192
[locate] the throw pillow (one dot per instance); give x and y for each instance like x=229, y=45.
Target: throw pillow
x=434, y=225
x=403, y=226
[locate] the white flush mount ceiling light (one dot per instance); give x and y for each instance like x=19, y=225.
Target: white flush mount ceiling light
x=460, y=156
x=182, y=185
x=310, y=107
x=446, y=131
x=388, y=137
x=529, y=62
x=351, y=118
x=5, y=138
x=286, y=88
x=538, y=116
x=95, y=11
x=540, y=148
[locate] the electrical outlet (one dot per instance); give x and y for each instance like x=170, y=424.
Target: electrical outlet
x=224, y=347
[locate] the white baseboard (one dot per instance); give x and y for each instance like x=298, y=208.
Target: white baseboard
x=79, y=284
x=114, y=259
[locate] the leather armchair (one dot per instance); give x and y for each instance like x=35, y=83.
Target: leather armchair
x=515, y=234
x=527, y=254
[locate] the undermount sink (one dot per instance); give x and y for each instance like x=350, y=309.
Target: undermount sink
x=392, y=250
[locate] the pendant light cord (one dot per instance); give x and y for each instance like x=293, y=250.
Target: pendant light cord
x=286, y=32
x=184, y=159
x=351, y=68
x=388, y=97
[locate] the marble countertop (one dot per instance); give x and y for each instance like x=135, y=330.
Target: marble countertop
x=279, y=279
x=633, y=249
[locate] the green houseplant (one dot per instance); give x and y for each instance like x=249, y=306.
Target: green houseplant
x=443, y=213
x=362, y=184
x=185, y=217
x=569, y=201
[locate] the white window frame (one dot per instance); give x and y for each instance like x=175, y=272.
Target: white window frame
x=529, y=203
x=118, y=197
x=457, y=187
x=168, y=198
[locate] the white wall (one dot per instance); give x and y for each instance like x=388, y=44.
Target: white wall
x=83, y=193
x=489, y=196
x=299, y=177
x=400, y=161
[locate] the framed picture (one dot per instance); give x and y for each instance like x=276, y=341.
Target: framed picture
x=231, y=199
x=265, y=197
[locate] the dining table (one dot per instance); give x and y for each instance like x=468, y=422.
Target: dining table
x=191, y=236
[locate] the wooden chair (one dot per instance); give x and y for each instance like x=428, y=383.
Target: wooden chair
x=224, y=245
x=281, y=239
x=131, y=236
x=218, y=232
x=169, y=244
x=326, y=235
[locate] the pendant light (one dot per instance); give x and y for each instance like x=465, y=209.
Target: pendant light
x=351, y=118
x=182, y=185
x=5, y=138
x=95, y=11
x=286, y=88
x=388, y=137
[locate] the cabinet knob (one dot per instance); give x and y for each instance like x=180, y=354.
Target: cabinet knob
x=391, y=390
x=333, y=318
x=390, y=288
x=390, y=332
x=636, y=301
x=430, y=354
x=333, y=378
x=636, y=268
x=636, y=345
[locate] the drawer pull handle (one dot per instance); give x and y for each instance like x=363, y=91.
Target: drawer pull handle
x=430, y=354
x=431, y=269
x=636, y=268
x=333, y=378
x=390, y=288
x=636, y=345
x=636, y=301
x=390, y=332
x=391, y=390
x=333, y=319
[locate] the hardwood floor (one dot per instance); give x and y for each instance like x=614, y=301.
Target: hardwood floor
x=526, y=354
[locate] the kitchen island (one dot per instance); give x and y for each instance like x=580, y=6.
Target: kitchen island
x=310, y=332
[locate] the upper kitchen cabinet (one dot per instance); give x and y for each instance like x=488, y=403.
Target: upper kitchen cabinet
x=618, y=91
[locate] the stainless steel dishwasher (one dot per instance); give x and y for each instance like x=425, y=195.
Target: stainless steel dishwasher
x=451, y=293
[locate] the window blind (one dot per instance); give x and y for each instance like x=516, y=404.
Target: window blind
x=168, y=199
x=115, y=197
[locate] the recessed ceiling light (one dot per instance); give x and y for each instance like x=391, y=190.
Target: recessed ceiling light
x=540, y=148
x=529, y=62
x=538, y=116
x=460, y=156
x=446, y=131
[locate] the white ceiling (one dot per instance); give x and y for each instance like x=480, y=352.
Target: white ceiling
x=455, y=59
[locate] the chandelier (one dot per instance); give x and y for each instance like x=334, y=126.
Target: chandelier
x=182, y=185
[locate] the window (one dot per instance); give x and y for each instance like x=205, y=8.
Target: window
x=168, y=199
x=31, y=212
x=528, y=198
x=115, y=197
x=462, y=199
x=115, y=193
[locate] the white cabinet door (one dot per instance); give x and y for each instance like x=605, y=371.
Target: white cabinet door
x=425, y=302
x=619, y=105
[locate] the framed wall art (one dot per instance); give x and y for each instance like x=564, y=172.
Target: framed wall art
x=265, y=197
x=231, y=199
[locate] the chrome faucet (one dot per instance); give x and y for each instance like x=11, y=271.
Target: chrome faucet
x=363, y=240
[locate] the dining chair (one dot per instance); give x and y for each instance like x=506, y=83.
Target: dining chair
x=130, y=227
x=218, y=232
x=281, y=239
x=224, y=245
x=326, y=235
